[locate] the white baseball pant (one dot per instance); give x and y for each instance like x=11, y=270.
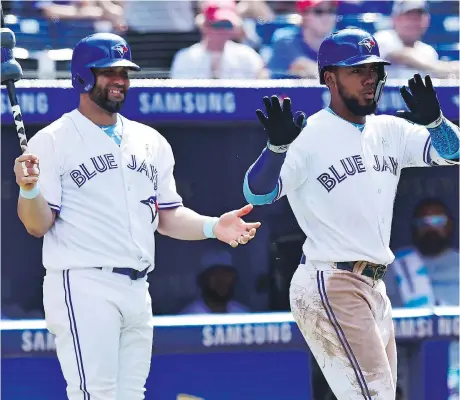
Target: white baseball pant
x=346, y=320
x=103, y=327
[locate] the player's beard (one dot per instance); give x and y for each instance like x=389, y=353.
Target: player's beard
x=101, y=98
x=353, y=104
x=431, y=243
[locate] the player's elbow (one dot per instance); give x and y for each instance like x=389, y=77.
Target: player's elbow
x=255, y=200
x=258, y=199
x=36, y=230
x=33, y=229
x=34, y=226
x=38, y=233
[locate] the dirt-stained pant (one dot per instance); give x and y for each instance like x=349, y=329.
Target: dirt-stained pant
x=347, y=323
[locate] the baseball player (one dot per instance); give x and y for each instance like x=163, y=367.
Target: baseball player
x=340, y=173
x=97, y=186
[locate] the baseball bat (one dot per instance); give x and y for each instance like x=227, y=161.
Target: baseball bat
x=12, y=72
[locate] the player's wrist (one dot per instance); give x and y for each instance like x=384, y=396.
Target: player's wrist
x=31, y=193
x=435, y=123
x=279, y=149
x=208, y=227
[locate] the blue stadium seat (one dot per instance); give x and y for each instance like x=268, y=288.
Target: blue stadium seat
x=32, y=34
x=265, y=30
x=448, y=51
x=352, y=8
x=68, y=33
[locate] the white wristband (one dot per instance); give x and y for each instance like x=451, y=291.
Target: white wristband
x=277, y=149
x=208, y=227
x=30, y=194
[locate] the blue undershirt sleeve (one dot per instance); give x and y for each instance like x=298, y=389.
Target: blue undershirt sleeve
x=262, y=180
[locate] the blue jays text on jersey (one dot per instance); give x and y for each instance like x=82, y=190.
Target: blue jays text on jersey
x=102, y=163
x=349, y=166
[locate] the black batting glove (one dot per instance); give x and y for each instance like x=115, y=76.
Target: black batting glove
x=422, y=102
x=281, y=127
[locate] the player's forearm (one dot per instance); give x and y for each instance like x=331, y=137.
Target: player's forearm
x=445, y=139
x=182, y=223
x=261, y=183
x=36, y=215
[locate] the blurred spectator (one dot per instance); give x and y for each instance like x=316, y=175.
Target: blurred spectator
x=427, y=273
x=217, y=282
x=402, y=45
x=147, y=16
x=256, y=9
x=77, y=9
x=217, y=55
x=156, y=30
x=253, y=13
x=71, y=20
x=295, y=49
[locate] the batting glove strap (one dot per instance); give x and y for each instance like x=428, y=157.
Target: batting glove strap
x=436, y=123
x=277, y=149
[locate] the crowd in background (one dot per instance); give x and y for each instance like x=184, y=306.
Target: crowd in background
x=229, y=39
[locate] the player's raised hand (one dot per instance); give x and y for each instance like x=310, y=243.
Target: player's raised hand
x=26, y=169
x=281, y=126
x=233, y=230
x=422, y=102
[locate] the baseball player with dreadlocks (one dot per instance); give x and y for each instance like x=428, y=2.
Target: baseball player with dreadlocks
x=97, y=186
x=340, y=173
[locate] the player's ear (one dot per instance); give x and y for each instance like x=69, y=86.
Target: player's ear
x=329, y=79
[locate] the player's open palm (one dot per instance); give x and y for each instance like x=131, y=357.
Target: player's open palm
x=26, y=169
x=281, y=126
x=422, y=102
x=233, y=230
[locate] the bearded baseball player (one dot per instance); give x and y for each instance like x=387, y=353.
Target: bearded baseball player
x=97, y=186
x=340, y=173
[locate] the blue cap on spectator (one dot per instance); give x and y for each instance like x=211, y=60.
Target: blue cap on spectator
x=216, y=258
x=404, y=6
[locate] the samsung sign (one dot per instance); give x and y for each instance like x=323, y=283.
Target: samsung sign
x=31, y=103
x=246, y=334
x=187, y=102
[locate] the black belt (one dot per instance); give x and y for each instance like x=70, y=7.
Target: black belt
x=134, y=274
x=371, y=270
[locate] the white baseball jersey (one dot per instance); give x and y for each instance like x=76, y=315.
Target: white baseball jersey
x=106, y=196
x=341, y=183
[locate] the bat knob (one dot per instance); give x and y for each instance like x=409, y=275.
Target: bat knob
x=11, y=71
x=7, y=38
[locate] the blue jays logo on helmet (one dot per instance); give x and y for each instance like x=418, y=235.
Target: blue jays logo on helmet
x=368, y=43
x=121, y=49
x=152, y=203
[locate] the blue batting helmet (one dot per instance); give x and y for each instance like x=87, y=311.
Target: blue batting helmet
x=348, y=47
x=101, y=50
